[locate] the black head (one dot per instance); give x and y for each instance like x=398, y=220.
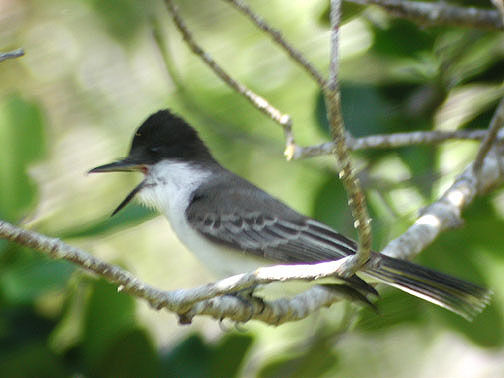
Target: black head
x=166, y=136
x=162, y=136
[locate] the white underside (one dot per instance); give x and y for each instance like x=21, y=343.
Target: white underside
x=168, y=189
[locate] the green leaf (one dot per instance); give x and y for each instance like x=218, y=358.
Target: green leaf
x=457, y=253
x=190, y=358
x=31, y=275
x=129, y=216
x=221, y=360
x=315, y=361
x=421, y=159
x=109, y=315
x=355, y=98
x=348, y=12
x=22, y=141
x=21, y=325
x=229, y=355
x=31, y=360
x=123, y=18
x=330, y=205
x=131, y=354
x=402, y=38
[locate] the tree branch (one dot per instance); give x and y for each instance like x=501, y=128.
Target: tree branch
x=211, y=299
x=394, y=140
x=439, y=13
x=259, y=102
x=357, y=200
x=495, y=124
x=446, y=212
x=208, y=299
x=434, y=13
x=11, y=54
x=499, y=4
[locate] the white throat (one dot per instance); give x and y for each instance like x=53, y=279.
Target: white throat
x=169, y=185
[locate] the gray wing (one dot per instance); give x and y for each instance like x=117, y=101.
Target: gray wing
x=272, y=237
x=264, y=226
x=245, y=218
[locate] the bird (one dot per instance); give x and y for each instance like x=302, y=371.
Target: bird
x=234, y=227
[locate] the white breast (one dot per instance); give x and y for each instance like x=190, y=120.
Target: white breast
x=168, y=188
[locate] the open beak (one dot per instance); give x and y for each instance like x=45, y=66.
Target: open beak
x=124, y=165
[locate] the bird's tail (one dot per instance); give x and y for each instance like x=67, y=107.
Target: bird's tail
x=461, y=297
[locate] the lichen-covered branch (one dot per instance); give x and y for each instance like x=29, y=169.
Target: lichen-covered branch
x=439, y=13
x=208, y=299
x=357, y=200
x=394, y=140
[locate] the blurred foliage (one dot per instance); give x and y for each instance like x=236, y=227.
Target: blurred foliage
x=92, y=73
x=23, y=142
x=131, y=215
x=122, y=18
x=314, y=360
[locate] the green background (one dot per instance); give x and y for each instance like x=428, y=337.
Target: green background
x=93, y=72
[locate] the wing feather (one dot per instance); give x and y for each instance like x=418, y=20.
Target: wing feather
x=271, y=230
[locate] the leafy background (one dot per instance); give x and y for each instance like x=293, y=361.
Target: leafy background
x=92, y=73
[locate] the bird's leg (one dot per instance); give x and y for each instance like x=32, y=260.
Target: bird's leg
x=247, y=297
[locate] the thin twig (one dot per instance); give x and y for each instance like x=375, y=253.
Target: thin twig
x=394, y=140
x=495, y=124
x=357, y=200
x=439, y=13
x=295, y=54
x=11, y=54
x=259, y=102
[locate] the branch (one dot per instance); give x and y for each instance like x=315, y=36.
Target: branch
x=495, y=124
x=389, y=141
x=259, y=102
x=295, y=54
x=210, y=299
x=446, y=212
x=357, y=201
x=11, y=54
x=439, y=13
x=331, y=90
x=499, y=4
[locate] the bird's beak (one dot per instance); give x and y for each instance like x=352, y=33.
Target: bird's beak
x=124, y=165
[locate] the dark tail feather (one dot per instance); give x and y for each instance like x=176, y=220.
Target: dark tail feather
x=461, y=297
